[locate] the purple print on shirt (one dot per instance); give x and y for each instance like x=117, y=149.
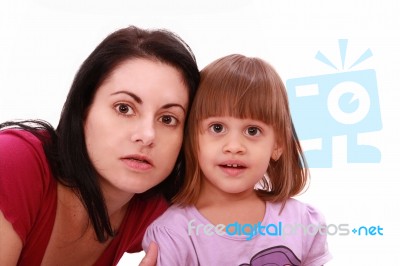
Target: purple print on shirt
x=275, y=256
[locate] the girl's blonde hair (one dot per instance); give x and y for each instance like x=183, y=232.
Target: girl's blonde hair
x=245, y=87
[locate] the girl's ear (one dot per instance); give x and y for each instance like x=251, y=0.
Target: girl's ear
x=277, y=152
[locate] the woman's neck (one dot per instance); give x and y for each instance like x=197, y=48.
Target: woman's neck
x=75, y=211
x=116, y=201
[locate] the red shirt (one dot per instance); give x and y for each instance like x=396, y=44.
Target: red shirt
x=28, y=200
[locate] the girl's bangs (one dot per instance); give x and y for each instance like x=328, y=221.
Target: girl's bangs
x=238, y=96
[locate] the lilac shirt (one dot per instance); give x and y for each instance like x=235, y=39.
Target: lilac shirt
x=297, y=236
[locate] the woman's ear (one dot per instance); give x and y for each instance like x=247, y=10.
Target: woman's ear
x=277, y=152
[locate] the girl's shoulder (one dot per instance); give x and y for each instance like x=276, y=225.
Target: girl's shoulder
x=175, y=221
x=294, y=210
x=175, y=216
x=170, y=226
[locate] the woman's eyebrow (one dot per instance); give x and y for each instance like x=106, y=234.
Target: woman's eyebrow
x=134, y=96
x=140, y=101
x=170, y=105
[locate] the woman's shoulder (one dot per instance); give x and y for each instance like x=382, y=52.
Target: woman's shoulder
x=20, y=149
x=24, y=168
x=26, y=182
x=17, y=137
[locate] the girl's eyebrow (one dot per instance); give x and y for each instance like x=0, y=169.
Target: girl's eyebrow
x=140, y=101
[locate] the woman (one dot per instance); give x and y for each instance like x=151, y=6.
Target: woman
x=83, y=194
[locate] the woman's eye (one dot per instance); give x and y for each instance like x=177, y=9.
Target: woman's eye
x=124, y=109
x=253, y=131
x=169, y=120
x=217, y=128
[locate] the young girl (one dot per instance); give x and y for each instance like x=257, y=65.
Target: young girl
x=243, y=164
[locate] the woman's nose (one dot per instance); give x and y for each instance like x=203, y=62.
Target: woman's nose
x=144, y=132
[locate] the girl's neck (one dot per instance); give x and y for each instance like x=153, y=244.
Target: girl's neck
x=225, y=208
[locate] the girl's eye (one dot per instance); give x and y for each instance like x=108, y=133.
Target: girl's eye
x=124, y=109
x=217, y=128
x=253, y=131
x=169, y=120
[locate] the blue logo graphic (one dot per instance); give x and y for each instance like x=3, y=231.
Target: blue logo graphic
x=344, y=103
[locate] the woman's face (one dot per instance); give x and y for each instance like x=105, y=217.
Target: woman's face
x=134, y=127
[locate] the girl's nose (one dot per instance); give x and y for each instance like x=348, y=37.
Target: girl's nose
x=234, y=144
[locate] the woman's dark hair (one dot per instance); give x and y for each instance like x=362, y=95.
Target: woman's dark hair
x=66, y=149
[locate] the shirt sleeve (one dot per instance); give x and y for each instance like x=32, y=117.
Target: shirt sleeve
x=317, y=252
x=173, y=248
x=148, y=210
x=22, y=169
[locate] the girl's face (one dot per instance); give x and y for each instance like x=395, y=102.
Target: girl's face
x=134, y=127
x=234, y=153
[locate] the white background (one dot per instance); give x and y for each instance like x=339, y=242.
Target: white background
x=43, y=43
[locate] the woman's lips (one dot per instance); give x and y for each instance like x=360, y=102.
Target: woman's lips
x=138, y=162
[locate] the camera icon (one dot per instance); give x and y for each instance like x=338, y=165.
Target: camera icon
x=326, y=106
